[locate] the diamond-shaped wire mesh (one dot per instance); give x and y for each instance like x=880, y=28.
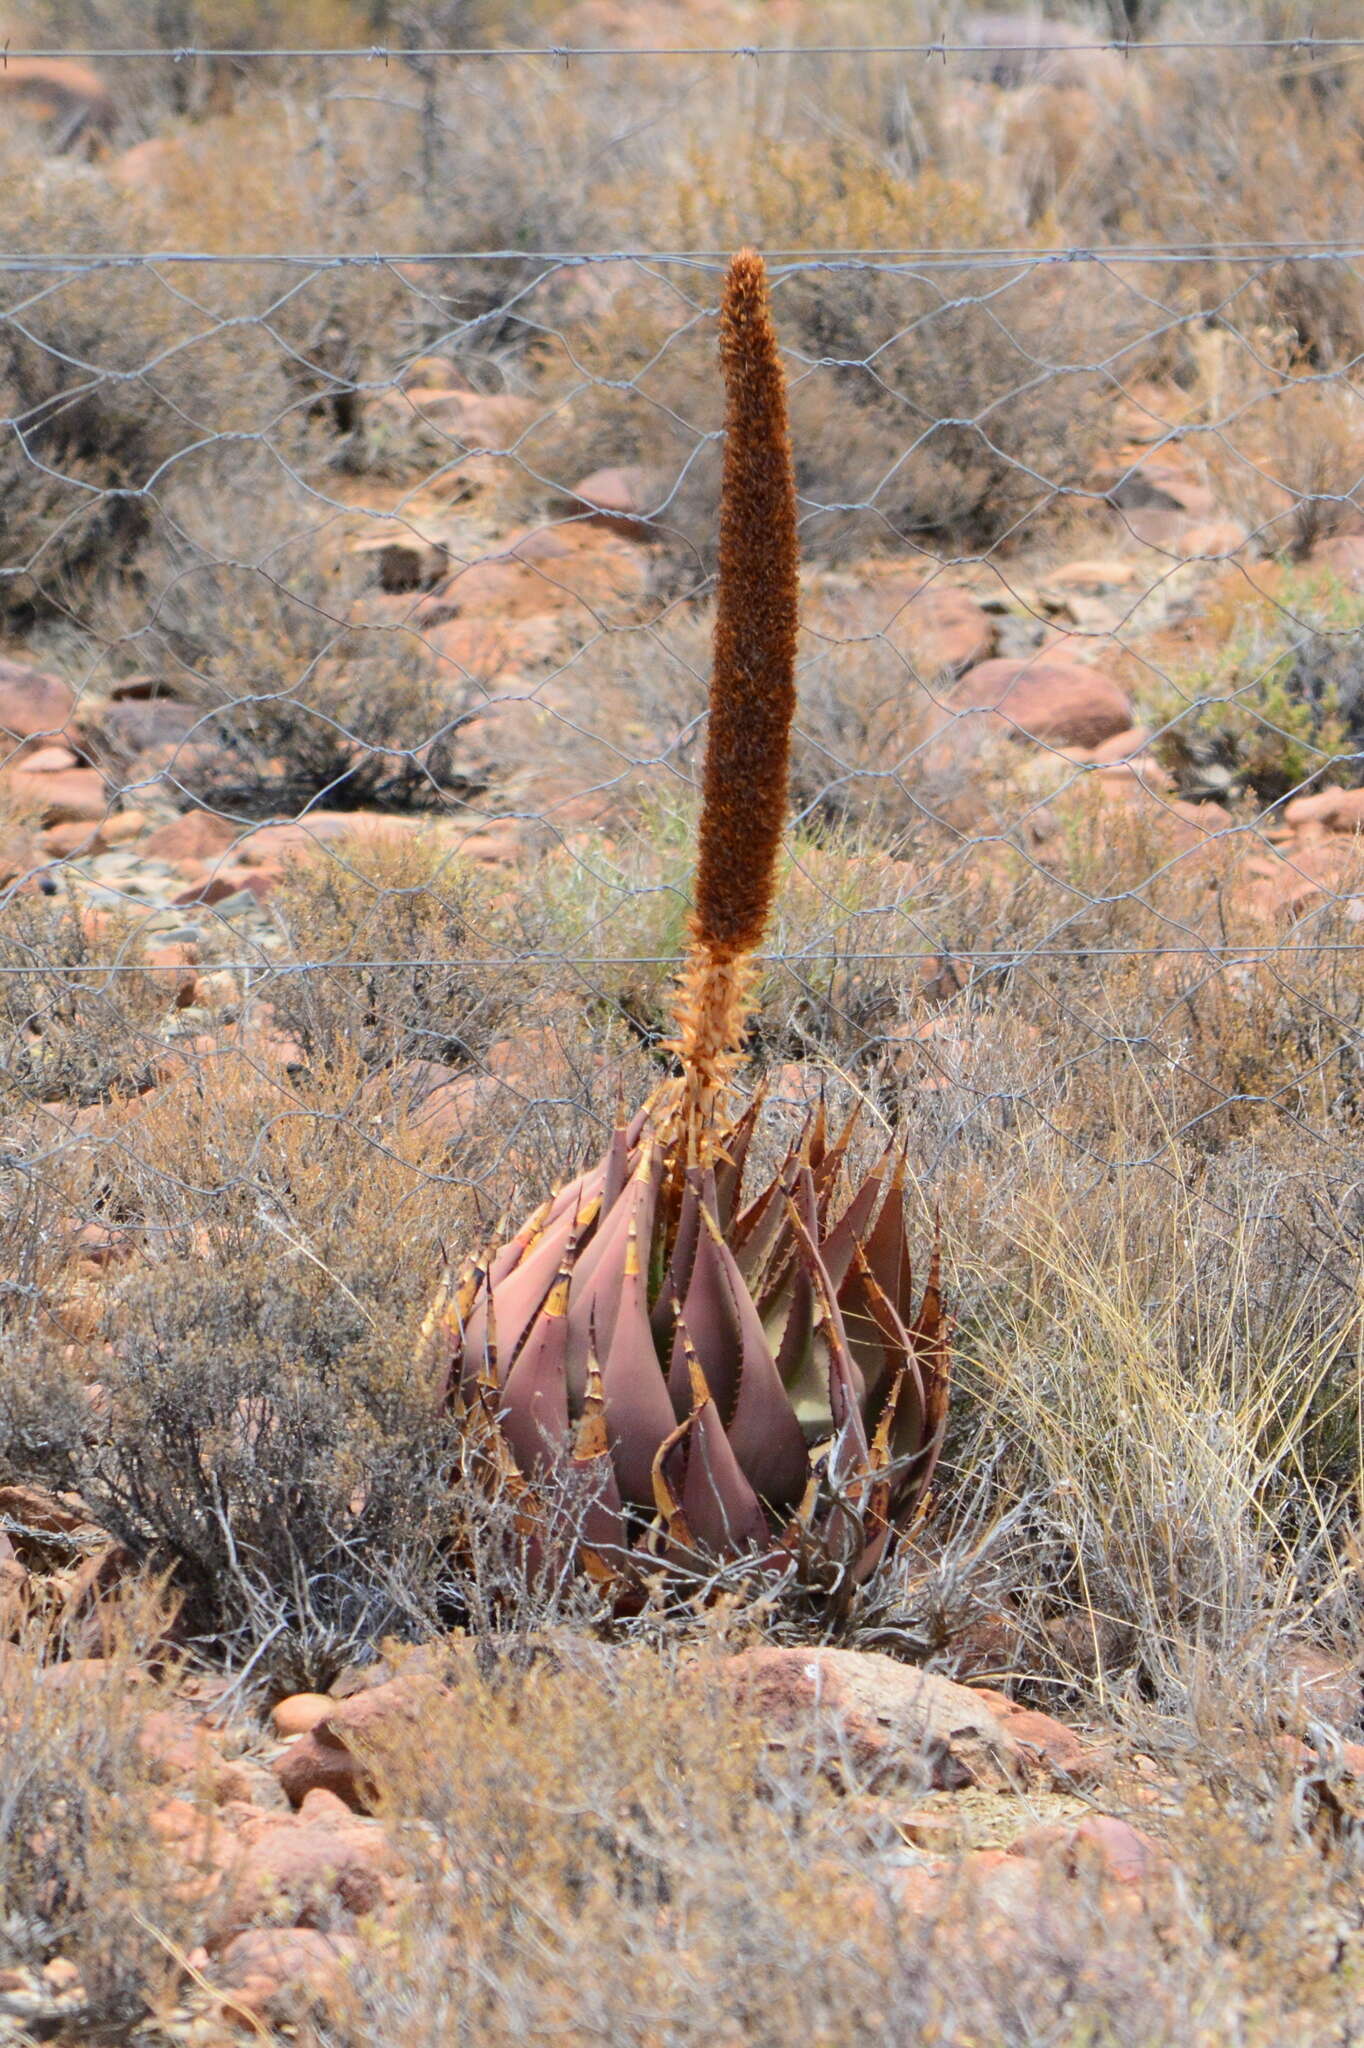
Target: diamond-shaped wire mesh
x=356, y=604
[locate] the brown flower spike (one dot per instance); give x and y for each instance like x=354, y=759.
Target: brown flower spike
x=752, y=702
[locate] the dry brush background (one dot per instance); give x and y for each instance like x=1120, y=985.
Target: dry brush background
x=355, y=616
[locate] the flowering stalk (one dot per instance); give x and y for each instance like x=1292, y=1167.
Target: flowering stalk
x=752, y=703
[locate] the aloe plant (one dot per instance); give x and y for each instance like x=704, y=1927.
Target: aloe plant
x=733, y=1373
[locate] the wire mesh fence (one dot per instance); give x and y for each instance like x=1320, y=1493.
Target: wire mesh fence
x=355, y=576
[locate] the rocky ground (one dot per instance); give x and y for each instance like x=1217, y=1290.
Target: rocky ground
x=326, y=945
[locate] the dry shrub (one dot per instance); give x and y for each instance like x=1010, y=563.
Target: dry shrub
x=620, y=725
x=107, y=377
x=931, y=404
x=82, y=1875
x=1276, y=707
x=387, y=937
x=1284, y=442
x=248, y=604
x=261, y=1431
x=79, y=1016
x=1183, y=1439
x=1240, y=141
x=607, y=1851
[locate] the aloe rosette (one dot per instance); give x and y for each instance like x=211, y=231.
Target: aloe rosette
x=732, y=1378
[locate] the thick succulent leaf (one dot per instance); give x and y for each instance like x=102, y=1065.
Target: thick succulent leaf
x=440, y=1344
x=705, y=1503
x=828, y=1168
x=753, y=1235
x=709, y=1324
x=603, y=1537
x=721, y=1323
x=729, y=1164
x=534, y=1408
x=511, y=1252
x=518, y=1299
x=886, y=1248
x=931, y=1335
x=700, y=1188
x=792, y=1317
x=615, y=1169
x=878, y=1339
x=840, y=1248
x=848, y=1452
x=595, y=1297
x=639, y=1413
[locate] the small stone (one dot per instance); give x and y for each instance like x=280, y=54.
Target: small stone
x=198, y=835
x=1049, y=699
x=173, y=971
x=49, y=760
x=885, y=1719
x=32, y=702
x=72, y=795
x=1100, y=1843
x=309, y=1872
x=618, y=499
x=1339, y=810
x=301, y=1712
x=124, y=827
x=384, y=1715
x=284, y=1974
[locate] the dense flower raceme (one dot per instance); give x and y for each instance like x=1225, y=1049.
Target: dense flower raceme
x=728, y=1379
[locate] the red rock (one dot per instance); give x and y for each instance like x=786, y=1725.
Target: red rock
x=68, y=842
x=1212, y=540
x=300, y=1712
x=571, y=566
x=19, y=854
x=1099, y=1844
x=13, y=1574
x=468, y=417
x=144, y=167
x=198, y=835
x=1339, y=810
x=230, y=881
x=619, y=499
x=383, y=1716
x=1124, y=746
x=308, y=1872
x=123, y=827
x=935, y=625
x=885, y=1718
x=501, y=849
x=1322, y=1687
x=32, y=702
x=284, y=1975
x=176, y=1745
x=49, y=760
x=36, y=1508
x=323, y=1809
x=1066, y=1756
x=1274, y=888
x=1161, y=479
x=173, y=970
x=268, y=845
x=1051, y=699
x=70, y=794
x=71, y=97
